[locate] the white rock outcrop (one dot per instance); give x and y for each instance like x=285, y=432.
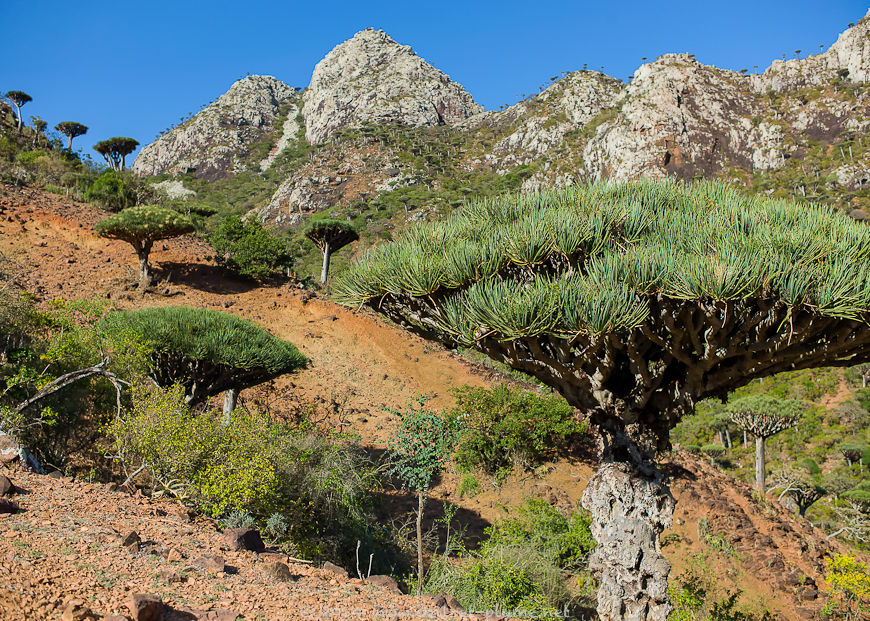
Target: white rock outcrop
x=370, y=77
x=214, y=141
x=848, y=59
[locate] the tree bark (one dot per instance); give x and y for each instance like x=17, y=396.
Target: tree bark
x=745, y=439
x=325, y=270
x=419, y=544
x=759, y=463
x=728, y=437
x=18, y=115
x=231, y=397
x=630, y=506
x=144, y=268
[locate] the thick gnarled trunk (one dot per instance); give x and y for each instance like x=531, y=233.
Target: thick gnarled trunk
x=630, y=506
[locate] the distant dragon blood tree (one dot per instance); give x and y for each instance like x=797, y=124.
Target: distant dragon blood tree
x=208, y=352
x=329, y=236
x=763, y=416
x=115, y=150
x=634, y=301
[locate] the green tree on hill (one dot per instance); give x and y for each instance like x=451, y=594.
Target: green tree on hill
x=18, y=99
x=208, y=352
x=71, y=130
x=419, y=451
x=329, y=236
x=763, y=417
x=115, y=151
x=635, y=301
x=142, y=226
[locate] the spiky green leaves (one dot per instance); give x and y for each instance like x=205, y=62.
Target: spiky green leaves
x=764, y=416
x=589, y=258
x=71, y=129
x=207, y=351
x=144, y=224
x=208, y=335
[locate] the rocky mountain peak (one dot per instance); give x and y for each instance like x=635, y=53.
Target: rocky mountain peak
x=847, y=59
x=216, y=139
x=371, y=77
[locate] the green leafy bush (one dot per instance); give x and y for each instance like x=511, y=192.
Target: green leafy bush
x=506, y=426
x=522, y=568
x=248, y=249
x=309, y=493
x=111, y=191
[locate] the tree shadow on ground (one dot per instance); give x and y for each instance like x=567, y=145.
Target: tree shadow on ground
x=211, y=278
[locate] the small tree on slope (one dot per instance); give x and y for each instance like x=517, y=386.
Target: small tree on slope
x=18, y=99
x=329, y=236
x=140, y=227
x=71, y=130
x=635, y=301
x=419, y=450
x=208, y=352
x=763, y=417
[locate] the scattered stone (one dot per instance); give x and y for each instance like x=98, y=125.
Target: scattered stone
x=116, y=618
x=55, y=474
x=6, y=486
x=440, y=600
x=243, y=539
x=8, y=506
x=278, y=571
x=77, y=611
x=341, y=572
x=145, y=607
x=210, y=563
x=174, y=555
x=131, y=541
x=220, y=614
x=385, y=582
x=169, y=577
x=454, y=605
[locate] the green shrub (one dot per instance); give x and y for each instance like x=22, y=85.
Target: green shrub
x=810, y=465
x=30, y=158
x=469, y=486
x=308, y=493
x=523, y=566
x=111, y=191
x=248, y=249
x=506, y=426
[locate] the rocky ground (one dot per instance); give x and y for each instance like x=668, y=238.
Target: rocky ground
x=76, y=550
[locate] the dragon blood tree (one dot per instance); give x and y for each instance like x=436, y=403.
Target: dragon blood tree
x=634, y=301
x=330, y=236
x=206, y=351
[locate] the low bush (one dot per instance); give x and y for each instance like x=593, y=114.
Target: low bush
x=522, y=569
x=506, y=427
x=248, y=249
x=307, y=493
x=695, y=597
x=111, y=191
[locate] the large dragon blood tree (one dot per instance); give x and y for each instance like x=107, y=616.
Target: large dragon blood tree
x=635, y=301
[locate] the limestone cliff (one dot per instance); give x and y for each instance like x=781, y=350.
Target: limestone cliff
x=379, y=132
x=215, y=141
x=370, y=77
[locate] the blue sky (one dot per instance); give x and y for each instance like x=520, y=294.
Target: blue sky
x=133, y=68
